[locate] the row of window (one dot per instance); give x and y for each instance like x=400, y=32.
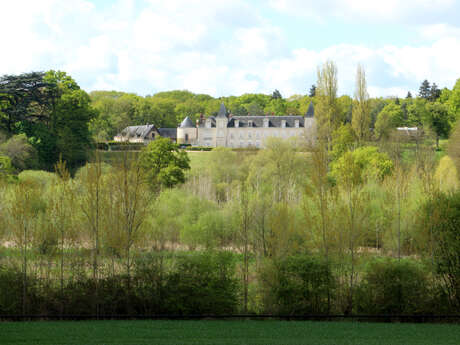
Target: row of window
x=257, y=135
x=267, y=123
x=240, y=143
x=220, y=124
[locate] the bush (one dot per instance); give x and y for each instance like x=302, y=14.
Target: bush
x=11, y=293
x=198, y=148
x=393, y=287
x=22, y=154
x=203, y=283
x=102, y=146
x=298, y=285
x=124, y=146
x=37, y=177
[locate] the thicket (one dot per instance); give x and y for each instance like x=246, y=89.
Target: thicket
x=267, y=231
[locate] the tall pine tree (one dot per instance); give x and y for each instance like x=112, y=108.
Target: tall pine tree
x=425, y=90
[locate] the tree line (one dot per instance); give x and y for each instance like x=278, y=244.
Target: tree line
x=47, y=115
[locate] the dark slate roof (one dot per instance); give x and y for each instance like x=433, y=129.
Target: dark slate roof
x=138, y=131
x=187, y=123
x=222, y=111
x=213, y=122
x=168, y=132
x=311, y=110
x=273, y=121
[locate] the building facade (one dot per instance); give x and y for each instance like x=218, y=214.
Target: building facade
x=227, y=130
x=245, y=131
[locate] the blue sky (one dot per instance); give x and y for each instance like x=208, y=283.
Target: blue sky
x=233, y=47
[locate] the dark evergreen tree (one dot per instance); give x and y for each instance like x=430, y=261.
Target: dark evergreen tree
x=23, y=97
x=435, y=92
x=425, y=90
x=312, y=91
x=276, y=95
x=409, y=94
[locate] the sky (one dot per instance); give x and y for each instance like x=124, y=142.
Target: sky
x=225, y=48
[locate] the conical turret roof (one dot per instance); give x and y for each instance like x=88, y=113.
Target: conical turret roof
x=222, y=111
x=311, y=111
x=187, y=123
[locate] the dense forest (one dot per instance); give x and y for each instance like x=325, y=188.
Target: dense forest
x=363, y=220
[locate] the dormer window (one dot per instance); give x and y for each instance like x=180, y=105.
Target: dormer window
x=296, y=123
x=283, y=123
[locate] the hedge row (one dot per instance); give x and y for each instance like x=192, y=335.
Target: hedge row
x=209, y=284
x=119, y=146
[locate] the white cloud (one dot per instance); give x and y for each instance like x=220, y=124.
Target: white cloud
x=414, y=11
x=215, y=47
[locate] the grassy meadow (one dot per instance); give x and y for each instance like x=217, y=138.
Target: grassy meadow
x=225, y=332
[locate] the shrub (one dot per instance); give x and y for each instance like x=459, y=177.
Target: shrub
x=39, y=178
x=203, y=283
x=297, y=285
x=198, y=148
x=393, y=287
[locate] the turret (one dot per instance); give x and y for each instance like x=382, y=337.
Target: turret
x=221, y=118
x=186, y=132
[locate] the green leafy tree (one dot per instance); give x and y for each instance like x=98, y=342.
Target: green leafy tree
x=343, y=140
x=277, y=106
x=164, y=163
x=454, y=102
x=254, y=108
x=388, y=119
x=438, y=120
x=372, y=164
x=416, y=112
x=69, y=117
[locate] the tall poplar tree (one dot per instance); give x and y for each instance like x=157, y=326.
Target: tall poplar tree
x=361, y=118
x=326, y=111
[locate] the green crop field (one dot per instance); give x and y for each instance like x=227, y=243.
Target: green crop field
x=226, y=332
